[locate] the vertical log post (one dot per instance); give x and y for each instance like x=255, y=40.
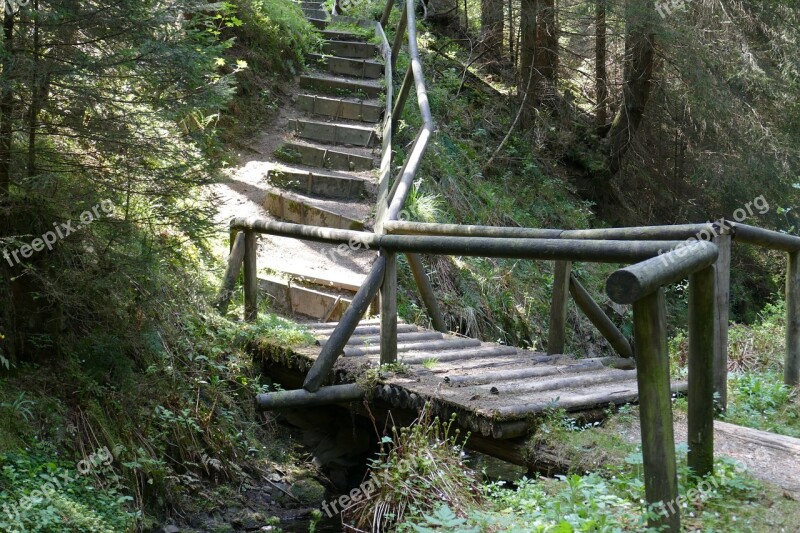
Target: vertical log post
x=399, y=36
x=387, y=11
x=702, y=321
x=655, y=409
x=722, y=281
x=558, y=308
x=232, y=271
x=250, y=276
x=389, y=310
x=791, y=368
x=426, y=291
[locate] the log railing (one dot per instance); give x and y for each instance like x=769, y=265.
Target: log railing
x=640, y=285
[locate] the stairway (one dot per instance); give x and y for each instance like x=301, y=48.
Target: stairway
x=323, y=170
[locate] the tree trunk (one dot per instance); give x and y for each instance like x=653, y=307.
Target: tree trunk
x=6, y=105
x=538, y=56
x=37, y=93
x=492, y=25
x=637, y=83
x=601, y=77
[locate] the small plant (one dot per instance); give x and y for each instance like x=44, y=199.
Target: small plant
x=419, y=468
x=430, y=363
x=20, y=406
x=288, y=155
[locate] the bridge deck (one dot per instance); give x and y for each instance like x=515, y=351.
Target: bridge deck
x=493, y=389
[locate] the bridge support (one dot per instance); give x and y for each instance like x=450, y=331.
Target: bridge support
x=791, y=369
x=426, y=291
x=556, y=336
x=389, y=310
x=655, y=410
x=250, y=276
x=702, y=322
x=722, y=280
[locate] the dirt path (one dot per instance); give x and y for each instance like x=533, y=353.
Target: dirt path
x=779, y=466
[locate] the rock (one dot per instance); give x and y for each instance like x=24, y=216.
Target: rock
x=308, y=491
x=170, y=529
x=249, y=520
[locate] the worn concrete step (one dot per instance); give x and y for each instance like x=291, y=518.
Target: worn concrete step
x=341, y=35
x=335, y=133
x=294, y=208
x=319, y=184
x=315, y=156
x=319, y=23
x=315, y=13
x=356, y=109
x=311, y=296
x=351, y=49
x=290, y=298
x=357, y=68
x=336, y=85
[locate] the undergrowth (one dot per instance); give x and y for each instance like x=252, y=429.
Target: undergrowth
x=611, y=498
x=418, y=468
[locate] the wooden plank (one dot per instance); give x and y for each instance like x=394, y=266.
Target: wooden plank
x=421, y=346
x=722, y=281
x=702, y=318
x=551, y=383
x=556, y=336
x=339, y=108
x=655, y=408
x=359, y=340
x=460, y=354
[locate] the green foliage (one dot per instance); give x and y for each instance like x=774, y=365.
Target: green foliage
x=46, y=495
x=760, y=400
x=418, y=468
x=608, y=501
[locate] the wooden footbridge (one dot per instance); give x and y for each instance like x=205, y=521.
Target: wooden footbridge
x=495, y=390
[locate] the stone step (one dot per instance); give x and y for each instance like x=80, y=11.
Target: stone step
x=357, y=68
x=339, y=35
x=315, y=13
x=294, y=296
x=351, y=49
x=298, y=300
x=335, y=133
x=357, y=109
x=319, y=23
x=314, y=156
x=318, y=184
x=332, y=84
x=295, y=208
